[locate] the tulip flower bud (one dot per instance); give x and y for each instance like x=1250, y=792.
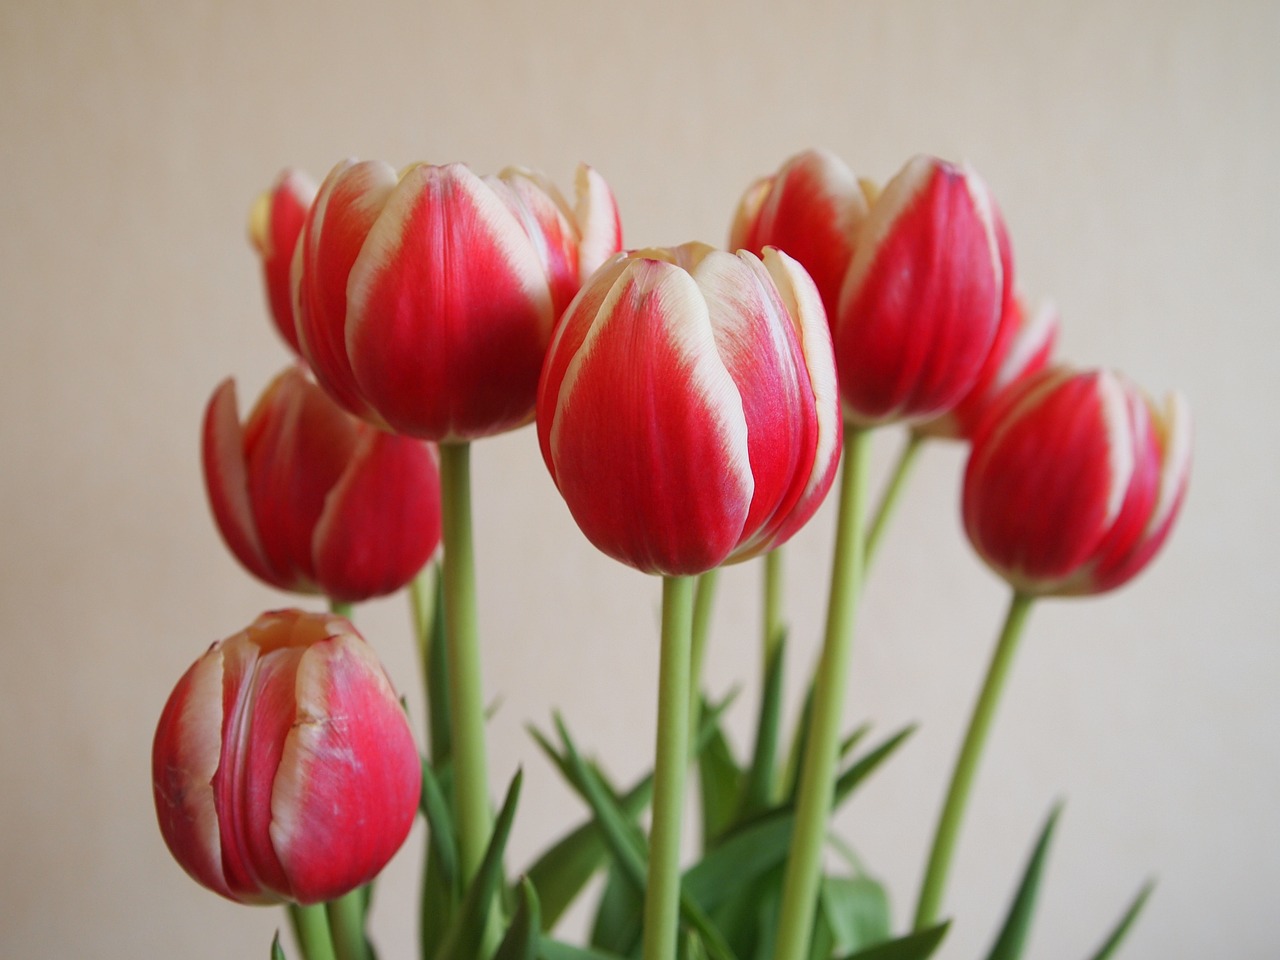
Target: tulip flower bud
x=311, y=499
x=811, y=209
x=1024, y=344
x=688, y=410
x=283, y=767
x=1074, y=481
x=923, y=296
x=426, y=300
x=274, y=225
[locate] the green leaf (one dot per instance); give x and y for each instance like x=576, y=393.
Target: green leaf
x=863, y=768
x=1017, y=925
x=437, y=664
x=739, y=861
x=444, y=836
x=466, y=938
x=521, y=940
x=555, y=950
x=757, y=791
x=1112, y=943
x=914, y=946
x=856, y=910
x=720, y=784
x=691, y=947
x=619, y=918
x=560, y=874
x=277, y=951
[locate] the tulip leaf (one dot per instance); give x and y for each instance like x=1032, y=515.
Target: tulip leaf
x=848, y=781
x=691, y=947
x=521, y=940
x=466, y=937
x=914, y=946
x=436, y=664
x=1121, y=930
x=560, y=874
x=757, y=789
x=856, y=910
x=1017, y=925
x=555, y=950
x=627, y=844
x=720, y=780
x=444, y=836
x=277, y=951
x=619, y=919
x=741, y=859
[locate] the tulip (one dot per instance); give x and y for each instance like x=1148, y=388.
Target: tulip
x=687, y=409
x=1074, y=481
x=274, y=225
x=308, y=498
x=1024, y=344
x=811, y=209
x=283, y=766
x=425, y=300
x=923, y=296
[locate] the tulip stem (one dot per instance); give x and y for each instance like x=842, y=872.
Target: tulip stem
x=892, y=494
x=818, y=766
x=774, y=625
x=662, y=892
x=346, y=925
x=466, y=702
x=948, y=831
x=704, y=596
x=311, y=930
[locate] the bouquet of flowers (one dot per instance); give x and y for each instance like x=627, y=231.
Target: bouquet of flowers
x=694, y=407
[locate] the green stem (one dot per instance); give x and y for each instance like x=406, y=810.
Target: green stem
x=346, y=925
x=944, y=840
x=704, y=596
x=817, y=773
x=311, y=930
x=892, y=494
x=773, y=616
x=471, y=783
x=662, y=892
x=341, y=609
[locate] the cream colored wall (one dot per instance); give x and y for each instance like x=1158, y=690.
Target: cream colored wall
x=1134, y=150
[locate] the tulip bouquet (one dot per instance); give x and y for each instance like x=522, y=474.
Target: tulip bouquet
x=693, y=406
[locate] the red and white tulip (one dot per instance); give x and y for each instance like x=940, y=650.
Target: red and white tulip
x=283, y=766
x=311, y=499
x=688, y=409
x=923, y=296
x=426, y=299
x=1074, y=482
x=274, y=225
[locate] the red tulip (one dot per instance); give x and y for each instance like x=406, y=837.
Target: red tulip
x=1023, y=347
x=811, y=209
x=426, y=300
x=1074, y=481
x=311, y=499
x=283, y=766
x=687, y=409
x=274, y=225
x=923, y=296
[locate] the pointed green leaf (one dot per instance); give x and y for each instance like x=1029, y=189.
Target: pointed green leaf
x=619, y=918
x=691, y=947
x=863, y=768
x=741, y=859
x=914, y=946
x=466, y=938
x=857, y=911
x=757, y=791
x=443, y=835
x=720, y=786
x=1112, y=943
x=1017, y=925
x=555, y=950
x=437, y=665
x=277, y=951
x=521, y=940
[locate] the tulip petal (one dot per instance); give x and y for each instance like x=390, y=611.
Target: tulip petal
x=449, y=310
x=548, y=223
x=381, y=521
x=599, y=224
x=274, y=226
x=664, y=481
x=227, y=483
x=347, y=205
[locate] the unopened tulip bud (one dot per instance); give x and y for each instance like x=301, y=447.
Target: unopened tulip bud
x=310, y=499
x=283, y=766
x=923, y=296
x=274, y=225
x=688, y=409
x=1074, y=481
x=426, y=299
x=1023, y=347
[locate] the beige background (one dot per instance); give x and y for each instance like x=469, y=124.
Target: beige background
x=1134, y=150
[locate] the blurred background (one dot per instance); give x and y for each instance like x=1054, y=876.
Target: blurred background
x=1133, y=148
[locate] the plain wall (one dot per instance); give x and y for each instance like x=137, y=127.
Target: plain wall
x=1133, y=149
